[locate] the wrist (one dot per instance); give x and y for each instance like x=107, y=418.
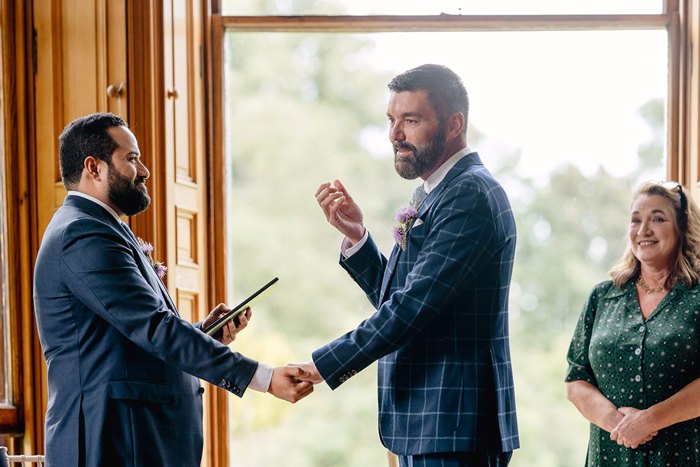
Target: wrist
x=653, y=418
x=611, y=420
x=355, y=240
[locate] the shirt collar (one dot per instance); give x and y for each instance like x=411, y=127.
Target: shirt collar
x=97, y=201
x=436, y=177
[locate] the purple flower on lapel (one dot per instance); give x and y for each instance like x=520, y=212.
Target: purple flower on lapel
x=405, y=217
x=160, y=269
x=147, y=250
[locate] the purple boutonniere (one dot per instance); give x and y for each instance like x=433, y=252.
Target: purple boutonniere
x=147, y=250
x=405, y=216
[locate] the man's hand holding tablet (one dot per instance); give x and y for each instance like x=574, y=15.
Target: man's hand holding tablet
x=213, y=328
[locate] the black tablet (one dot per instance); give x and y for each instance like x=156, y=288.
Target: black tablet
x=245, y=304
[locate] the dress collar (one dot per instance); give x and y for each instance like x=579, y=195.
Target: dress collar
x=436, y=177
x=97, y=201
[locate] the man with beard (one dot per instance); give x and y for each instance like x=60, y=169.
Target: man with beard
x=440, y=331
x=123, y=367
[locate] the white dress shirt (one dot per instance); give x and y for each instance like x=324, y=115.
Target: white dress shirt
x=263, y=374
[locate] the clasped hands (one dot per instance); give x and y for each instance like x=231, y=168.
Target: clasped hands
x=633, y=429
x=292, y=382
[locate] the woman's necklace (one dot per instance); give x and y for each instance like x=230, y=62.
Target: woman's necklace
x=650, y=290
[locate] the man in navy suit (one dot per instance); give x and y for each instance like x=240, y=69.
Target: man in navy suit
x=123, y=367
x=440, y=331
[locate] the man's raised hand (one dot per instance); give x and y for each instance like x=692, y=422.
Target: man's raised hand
x=341, y=211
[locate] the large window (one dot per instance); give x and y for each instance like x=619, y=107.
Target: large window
x=568, y=121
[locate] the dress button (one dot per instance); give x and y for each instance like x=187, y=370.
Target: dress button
x=637, y=378
x=637, y=351
x=641, y=328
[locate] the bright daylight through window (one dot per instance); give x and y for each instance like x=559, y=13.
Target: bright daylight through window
x=569, y=122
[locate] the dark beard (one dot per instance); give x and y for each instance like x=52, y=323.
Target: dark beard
x=125, y=195
x=424, y=156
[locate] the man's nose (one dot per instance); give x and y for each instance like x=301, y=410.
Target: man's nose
x=396, y=133
x=143, y=170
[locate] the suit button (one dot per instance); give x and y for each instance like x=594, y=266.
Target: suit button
x=200, y=391
x=222, y=383
x=236, y=391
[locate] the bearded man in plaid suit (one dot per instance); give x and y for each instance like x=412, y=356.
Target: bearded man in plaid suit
x=440, y=331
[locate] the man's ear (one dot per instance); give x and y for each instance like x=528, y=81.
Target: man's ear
x=91, y=167
x=455, y=125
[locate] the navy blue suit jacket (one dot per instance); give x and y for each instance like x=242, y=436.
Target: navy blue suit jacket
x=440, y=332
x=122, y=365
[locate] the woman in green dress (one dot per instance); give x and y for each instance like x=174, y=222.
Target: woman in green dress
x=634, y=360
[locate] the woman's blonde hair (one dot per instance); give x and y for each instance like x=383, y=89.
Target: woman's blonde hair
x=686, y=221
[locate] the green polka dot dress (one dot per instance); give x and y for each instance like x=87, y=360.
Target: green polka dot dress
x=637, y=363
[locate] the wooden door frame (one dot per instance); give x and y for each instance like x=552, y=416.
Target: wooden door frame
x=147, y=103
x=23, y=431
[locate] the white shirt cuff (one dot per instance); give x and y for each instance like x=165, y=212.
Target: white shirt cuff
x=348, y=250
x=261, y=378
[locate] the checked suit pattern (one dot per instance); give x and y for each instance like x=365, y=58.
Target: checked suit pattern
x=440, y=331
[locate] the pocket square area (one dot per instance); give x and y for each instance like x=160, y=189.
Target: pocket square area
x=417, y=223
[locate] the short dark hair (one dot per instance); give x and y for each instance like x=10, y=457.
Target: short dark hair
x=83, y=137
x=446, y=91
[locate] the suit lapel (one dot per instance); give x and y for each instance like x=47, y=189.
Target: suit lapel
x=145, y=264
x=462, y=165
x=389, y=272
x=467, y=161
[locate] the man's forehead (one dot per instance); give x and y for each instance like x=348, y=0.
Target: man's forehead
x=413, y=101
x=125, y=139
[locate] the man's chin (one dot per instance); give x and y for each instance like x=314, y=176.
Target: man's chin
x=405, y=169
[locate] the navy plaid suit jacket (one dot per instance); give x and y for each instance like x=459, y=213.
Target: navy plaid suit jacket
x=440, y=332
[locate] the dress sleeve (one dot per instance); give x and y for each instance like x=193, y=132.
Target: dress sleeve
x=579, y=363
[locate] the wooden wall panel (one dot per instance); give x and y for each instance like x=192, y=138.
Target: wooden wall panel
x=187, y=188
x=187, y=237
x=187, y=301
x=118, y=56
x=81, y=52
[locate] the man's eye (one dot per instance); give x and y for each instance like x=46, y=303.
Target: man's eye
x=635, y=221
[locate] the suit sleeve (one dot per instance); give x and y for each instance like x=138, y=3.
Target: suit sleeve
x=366, y=267
x=110, y=284
x=461, y=241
